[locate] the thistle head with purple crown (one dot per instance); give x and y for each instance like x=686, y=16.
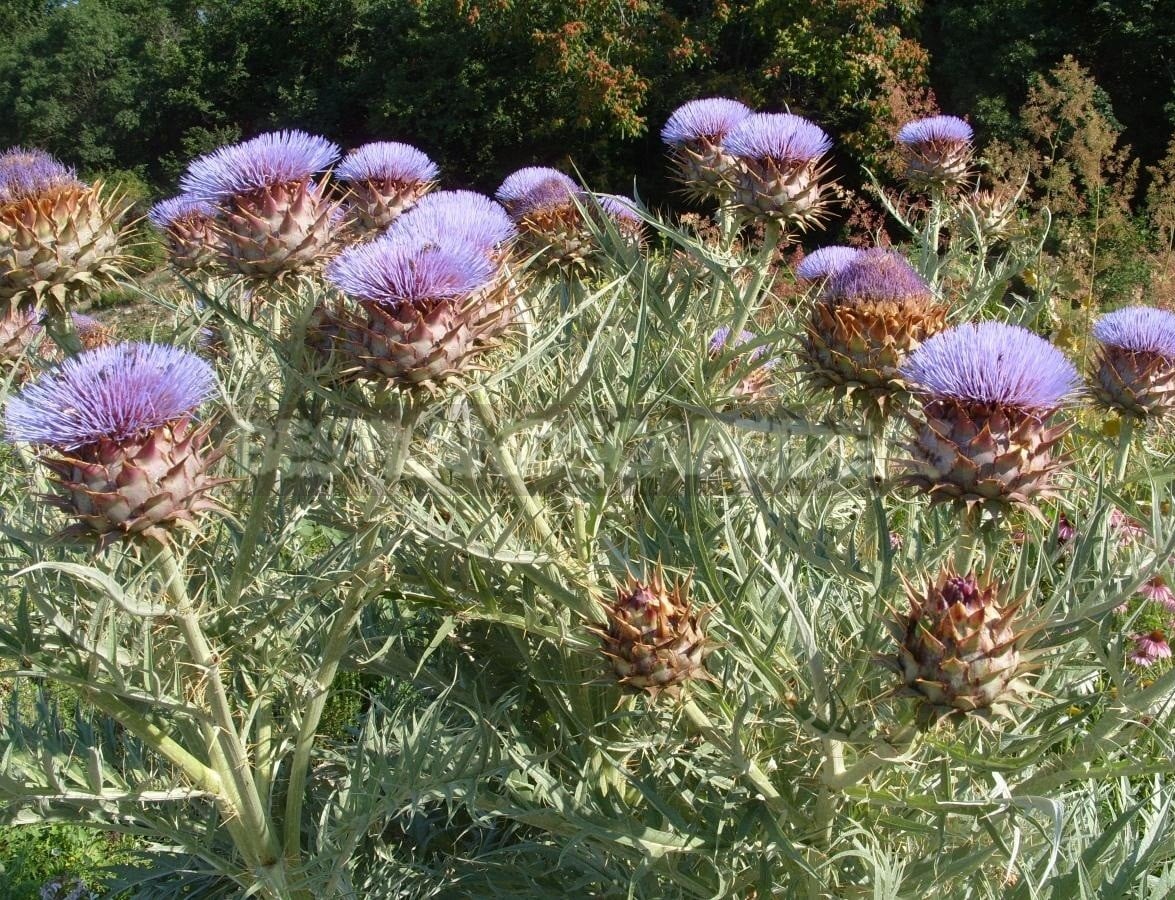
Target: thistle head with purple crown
x=938, y=152
x=781, y=170
x=384, y=179
x=272, y=217
x=873, y=310
x=1134, y=371
x=116, y=428
x=983, y=434
x=59, y=237
x=694, y=134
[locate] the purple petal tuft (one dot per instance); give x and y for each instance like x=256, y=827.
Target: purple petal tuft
x=780, y=137
x=27, y=173
x=267, y=160
x=387, y=161
x=167, y=212
x=397, y=269
x=117, y=392
x=709, y=119
x=535, y=187
x=936, y=130
x=1138, y=329
x=825, y=262
x=876, y=274
x=992, y=363
x=619, y=209
x=456, y=217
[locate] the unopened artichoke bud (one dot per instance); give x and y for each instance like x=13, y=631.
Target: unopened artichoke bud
x=987, y=394
x=115, y=426
x=471, y=219
x=820, y=265
x=958, y=648
x=694, y=133
x=273, y=218
x=384, y=179
x=938, y=152
x=755, y=384
x=58, y=236
x=189, y=229
x=874, y=310
x=414, y=308
x=988, y=214
x=653, y=639
x=1135, y=373
x=542, y=203
x=780, y=172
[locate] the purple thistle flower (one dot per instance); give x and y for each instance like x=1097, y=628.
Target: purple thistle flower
x=935, y=130
x=876, y=275
x=116, y=393
x=992, y=363
x=620, y=210
x=279, y=157
x=533, y=188
x=825, y=262
x=27, y=173
x=393, y=270
x=1149, y=648
x=165, y=213
x=709, y=119
x=457, y=217
x=780, y=137
x=1138, y=329
x=387, y=161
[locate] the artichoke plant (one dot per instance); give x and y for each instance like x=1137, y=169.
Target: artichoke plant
x=694, y=134
x=780, y=172
x=383, y=179
x=59, y=237
x=653, y=638
x=987, y=394
x=189, y=229
x=938, y=152
x=958, y=647
x=1135, y=366
x=272, y=218
x=873, y=311
x=115, y=426
x=414, y=307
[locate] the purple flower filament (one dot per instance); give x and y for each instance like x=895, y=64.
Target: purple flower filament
x=992, y=364
x=118, y=393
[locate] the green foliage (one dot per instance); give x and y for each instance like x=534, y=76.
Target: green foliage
x=484, y=87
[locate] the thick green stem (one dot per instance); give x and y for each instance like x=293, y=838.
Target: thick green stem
x=1125, y=437
x=747, y=301
x=508, y=467
x=336, y=645
x=227, y=740
x=262, y=488
x=755, y=777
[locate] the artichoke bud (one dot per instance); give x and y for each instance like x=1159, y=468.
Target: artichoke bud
x=958, y=648
x=652, y=638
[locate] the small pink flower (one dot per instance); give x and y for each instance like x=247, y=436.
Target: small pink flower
x=1127, y=528
x=1149, y=648
x=1159, y=591
x=896, y=541
x=1065, y=530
